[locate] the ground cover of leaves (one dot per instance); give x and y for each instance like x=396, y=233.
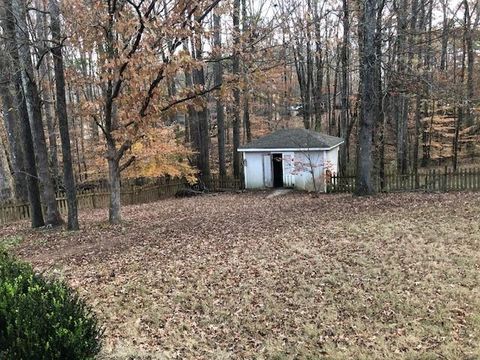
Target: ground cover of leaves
x=240, y=276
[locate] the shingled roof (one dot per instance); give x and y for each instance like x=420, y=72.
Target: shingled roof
x=293, y=139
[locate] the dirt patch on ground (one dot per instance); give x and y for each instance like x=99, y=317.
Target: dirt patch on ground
x=242, y=276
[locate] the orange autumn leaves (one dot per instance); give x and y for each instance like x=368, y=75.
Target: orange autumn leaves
x=139, y=116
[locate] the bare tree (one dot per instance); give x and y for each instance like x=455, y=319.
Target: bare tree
x=218, y=70
x=344, y=124
x=364, y=185
x=68, y=177
x=10, y=118
x=236, y=91
x=8, y=25
x=34, y=107
x=202, y=140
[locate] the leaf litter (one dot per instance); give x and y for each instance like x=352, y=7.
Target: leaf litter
x=242, y=276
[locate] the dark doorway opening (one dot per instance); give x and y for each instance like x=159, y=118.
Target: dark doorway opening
x=277, y=170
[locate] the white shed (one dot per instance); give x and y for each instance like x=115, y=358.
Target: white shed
x=296, y=158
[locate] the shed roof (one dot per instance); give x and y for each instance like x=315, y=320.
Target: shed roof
x=290, y=139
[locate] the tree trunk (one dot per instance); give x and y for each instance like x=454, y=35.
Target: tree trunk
x=380, y=118
x=68, y=177
x=364, y=184
x=344, y=117
x=6, y=183
x=74, y=127
x=218, y=70
x=286, y=100
x=36, y=215
x=114, y=214
x=443, y=56
x=470, y=64
x=307, y=108
x=246, y=90
x=82, y=147
x=427, y=136
x=330, y=118
x=418, y=104
x=187, y=127
x=198, y=119
x=319, y=70
x=192, y=115
x=53, y=217
x=463, y=111
x=87, y=72
x=172, y=92
x=203, y=157
x=299, y=61
x=52, y=136
x=401, y=99
x=46, y=95
x=335, y=122
x=246, y=114
x=236, y=90
x=13, y=135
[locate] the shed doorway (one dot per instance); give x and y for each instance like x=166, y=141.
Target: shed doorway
x=277, y=166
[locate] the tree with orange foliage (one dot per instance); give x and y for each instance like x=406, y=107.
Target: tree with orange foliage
x=136, y=46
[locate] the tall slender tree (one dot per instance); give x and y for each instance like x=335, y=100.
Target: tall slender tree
x=364, y=184
x=61, y=101
x=246, y=85
x=218, y=70
x=344, y=89
x=12, y=128
x=34, y=106
x=8, y=25
x=236, y=91
x=203, y=139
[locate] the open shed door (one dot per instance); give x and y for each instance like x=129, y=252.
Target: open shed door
x=267, y=170
x=288, y=169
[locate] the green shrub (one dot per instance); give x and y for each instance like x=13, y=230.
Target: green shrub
x=42, y=319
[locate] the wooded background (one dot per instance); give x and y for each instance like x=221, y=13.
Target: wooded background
x=112, y=89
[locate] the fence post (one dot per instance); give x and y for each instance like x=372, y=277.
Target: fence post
x=94, y=199
x=469, y=179
x=474, y=179
x=445, y=179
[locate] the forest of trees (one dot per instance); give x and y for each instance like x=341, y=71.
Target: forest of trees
x=114, y=89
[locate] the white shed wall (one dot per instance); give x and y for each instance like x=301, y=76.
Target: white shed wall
x=296, y=169
x=304, y=163
x=253, y=168
x=332, y=160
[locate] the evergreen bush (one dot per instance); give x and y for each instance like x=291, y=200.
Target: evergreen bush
x=42, y=319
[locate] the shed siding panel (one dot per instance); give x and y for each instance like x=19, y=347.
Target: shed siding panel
x=332, y=160
x=304, y=163
x=253, y=168
x=267, y=170
x=297, y=169
x=288, y=169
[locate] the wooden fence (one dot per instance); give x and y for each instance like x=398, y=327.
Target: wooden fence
x=433, y=180
x=130, y=195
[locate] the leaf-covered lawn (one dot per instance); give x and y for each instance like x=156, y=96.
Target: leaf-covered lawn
x=240, y=276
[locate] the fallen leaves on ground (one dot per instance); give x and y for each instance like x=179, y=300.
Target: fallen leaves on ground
x=239, y=276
